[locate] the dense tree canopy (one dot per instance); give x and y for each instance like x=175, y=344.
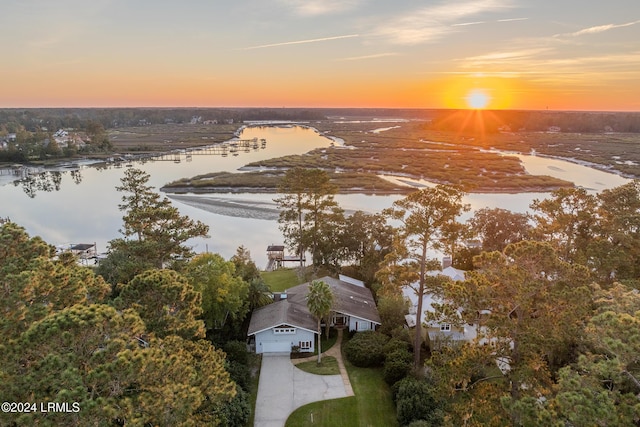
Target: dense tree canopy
x=34, y=284
x=538, y=306
x=139, y=363
x=166, y=302
x=498, y=227
x=224, y=293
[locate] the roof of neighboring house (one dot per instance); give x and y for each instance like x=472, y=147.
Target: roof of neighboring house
x=82, y=246
x=428, y=298
x=281, y=313
x=348, y=298
x=451, y=272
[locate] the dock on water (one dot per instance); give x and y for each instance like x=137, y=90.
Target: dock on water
x=277, y=258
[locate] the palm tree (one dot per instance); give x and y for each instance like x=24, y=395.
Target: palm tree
x=319, y=301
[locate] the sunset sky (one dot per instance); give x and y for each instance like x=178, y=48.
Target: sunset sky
x=520, y=54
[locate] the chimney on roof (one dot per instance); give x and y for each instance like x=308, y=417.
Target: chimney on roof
x=446, y=262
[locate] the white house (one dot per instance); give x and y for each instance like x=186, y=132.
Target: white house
x=438, y=331
x=286, y=323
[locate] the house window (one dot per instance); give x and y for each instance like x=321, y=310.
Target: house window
x=445, y=327
x=304, y=345
x=284, y=331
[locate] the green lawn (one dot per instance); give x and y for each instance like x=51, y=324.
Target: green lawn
x=280, y=280
x=371, y=406
x=328, y=366
x=285, y=278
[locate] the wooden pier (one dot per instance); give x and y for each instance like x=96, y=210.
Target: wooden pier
x=277, y=258
x=232, y=147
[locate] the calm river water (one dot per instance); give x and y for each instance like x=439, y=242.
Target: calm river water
x=85, y=210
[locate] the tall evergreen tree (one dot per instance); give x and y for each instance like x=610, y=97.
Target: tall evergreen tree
x=154, y=231
x=425, y=216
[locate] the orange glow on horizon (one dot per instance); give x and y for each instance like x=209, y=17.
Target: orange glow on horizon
x=477, y=92
x=86, y=87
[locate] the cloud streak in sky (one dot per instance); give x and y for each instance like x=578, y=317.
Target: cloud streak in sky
x=598, y=29
x=434, y=22
x=464, y=24
x=324, y=39
x=374, y=56
x=512, y=19
x=503, y=58
x=320, y=7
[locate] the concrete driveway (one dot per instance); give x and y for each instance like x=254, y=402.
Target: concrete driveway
x=283, y=388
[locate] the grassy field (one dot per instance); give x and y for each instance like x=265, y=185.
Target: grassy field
x=285, y=278
x=419, y=153
x=413, y=150
x=281, y=280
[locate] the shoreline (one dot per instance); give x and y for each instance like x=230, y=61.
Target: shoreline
x=264, y=190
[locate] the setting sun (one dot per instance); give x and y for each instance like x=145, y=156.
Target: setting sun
x=477, y=99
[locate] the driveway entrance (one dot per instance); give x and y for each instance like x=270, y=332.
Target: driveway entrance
x=284, y=388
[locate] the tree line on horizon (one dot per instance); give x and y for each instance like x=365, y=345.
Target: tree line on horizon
x=34, y=119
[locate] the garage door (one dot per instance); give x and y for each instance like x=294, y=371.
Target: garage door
x=276, y=347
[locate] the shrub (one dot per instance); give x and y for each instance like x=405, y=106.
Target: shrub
x=236, y=351
x=239, y=373
x=396, y=369
x=417, y=400
x=403, y=334
x=366, y=349
x=236, y=412
x=397, y=365
x=392, y=310
x=394, y=345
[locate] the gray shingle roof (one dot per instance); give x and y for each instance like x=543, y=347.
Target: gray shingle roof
x=349, y=299
x=281, y=313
